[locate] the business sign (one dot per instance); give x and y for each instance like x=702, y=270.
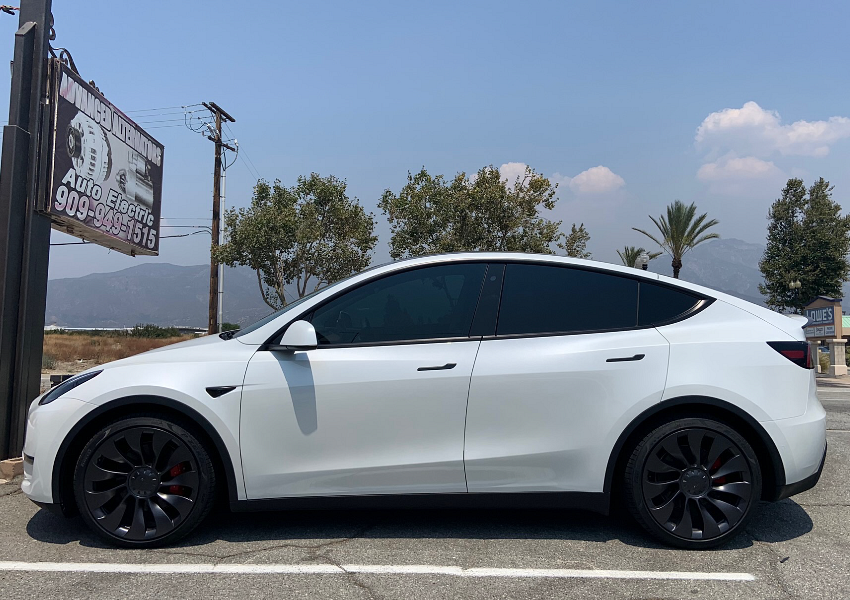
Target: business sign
x=105, y=179
x=827, y=331
x=821, y=316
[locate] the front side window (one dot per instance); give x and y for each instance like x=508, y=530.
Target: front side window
x=420, y=304
x=539, y=299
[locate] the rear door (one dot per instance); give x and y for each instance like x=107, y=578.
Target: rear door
x=566, y=368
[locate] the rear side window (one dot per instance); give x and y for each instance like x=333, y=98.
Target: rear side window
x=551, y=299
x=660, y=304
x=420, y=304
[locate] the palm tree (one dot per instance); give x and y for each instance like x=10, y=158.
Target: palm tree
x=629, y=255
x=680, y=232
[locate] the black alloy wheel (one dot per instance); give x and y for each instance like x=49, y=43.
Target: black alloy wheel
x=143, y=481
x=693, y=483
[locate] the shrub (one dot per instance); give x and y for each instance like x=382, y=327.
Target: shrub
x=48, y=362
x=149, y=330
x=229, y=326
x=823, y=359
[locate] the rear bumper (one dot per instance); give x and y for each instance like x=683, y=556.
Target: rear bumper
x=788, y=490
x=801, y=444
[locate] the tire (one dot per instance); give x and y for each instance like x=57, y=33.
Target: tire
x=144, y=481
x=693, y=483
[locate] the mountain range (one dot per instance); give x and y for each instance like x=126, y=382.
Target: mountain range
x=166, y=294
x=158, y=293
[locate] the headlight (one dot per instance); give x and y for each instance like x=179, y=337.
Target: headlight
x=66, y=386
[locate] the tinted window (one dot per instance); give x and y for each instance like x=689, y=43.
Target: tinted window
x=659, y=304
x=271, y=317
x=544, y=299
x=432, y=302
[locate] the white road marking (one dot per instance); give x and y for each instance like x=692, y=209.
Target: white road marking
x=279, y=569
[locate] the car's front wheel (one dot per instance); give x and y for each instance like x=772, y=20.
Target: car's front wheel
x=144, y=481
x=693, y=483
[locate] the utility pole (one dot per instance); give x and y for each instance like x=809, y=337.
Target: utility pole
x=213, y=325
x=221, y=267
x=24, y=233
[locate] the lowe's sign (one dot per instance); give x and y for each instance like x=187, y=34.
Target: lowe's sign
x=824, y=315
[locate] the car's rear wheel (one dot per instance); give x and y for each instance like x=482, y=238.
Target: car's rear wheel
x=693, y=483
x=143, y=482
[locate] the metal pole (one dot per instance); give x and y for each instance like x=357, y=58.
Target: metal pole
x=220, y=266
x=24, y=233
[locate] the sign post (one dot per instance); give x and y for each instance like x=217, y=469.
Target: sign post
x=825, y=325
x=24, y=232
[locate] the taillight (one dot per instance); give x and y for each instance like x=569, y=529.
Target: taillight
x=798, y=353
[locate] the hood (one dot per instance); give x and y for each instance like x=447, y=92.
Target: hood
x=171, y=353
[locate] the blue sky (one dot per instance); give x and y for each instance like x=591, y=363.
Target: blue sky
x=626, y=105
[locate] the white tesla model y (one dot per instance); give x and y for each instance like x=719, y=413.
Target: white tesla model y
x=479, y=379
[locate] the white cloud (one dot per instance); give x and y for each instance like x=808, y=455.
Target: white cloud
x=754, y=130
x=511, y=171
x=596, y=180
x=745, y=175
x=747, y=167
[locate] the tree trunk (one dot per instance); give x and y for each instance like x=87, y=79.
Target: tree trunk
x=677, y=266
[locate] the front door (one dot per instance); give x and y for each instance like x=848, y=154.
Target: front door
x=380, y=406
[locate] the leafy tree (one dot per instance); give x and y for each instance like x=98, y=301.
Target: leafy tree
x=680, y=232
x=430, y=215
x=629, y=255
x=807, y=240
x=575, y=242
x=309, y=235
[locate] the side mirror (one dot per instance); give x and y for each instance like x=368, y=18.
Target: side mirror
x=300, y=335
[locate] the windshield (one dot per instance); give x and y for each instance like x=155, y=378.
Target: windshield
x=227, y=335
x=269, y=318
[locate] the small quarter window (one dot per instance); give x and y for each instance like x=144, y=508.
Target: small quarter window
x=661, y=304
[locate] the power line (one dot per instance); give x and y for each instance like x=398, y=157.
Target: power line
x=249, y=164
x=162, y=237
x=162, y=108
x=159, y=121
x=169, y=113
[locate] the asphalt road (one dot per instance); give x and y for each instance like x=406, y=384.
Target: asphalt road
x=797, y=548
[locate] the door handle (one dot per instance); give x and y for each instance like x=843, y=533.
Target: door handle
x=626, y=358
x=444, y=367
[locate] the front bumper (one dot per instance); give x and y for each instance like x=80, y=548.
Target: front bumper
x=47, y=427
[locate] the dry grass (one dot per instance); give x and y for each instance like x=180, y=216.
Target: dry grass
x=100, y=349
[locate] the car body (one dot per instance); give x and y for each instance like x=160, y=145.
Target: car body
x=471, y=378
